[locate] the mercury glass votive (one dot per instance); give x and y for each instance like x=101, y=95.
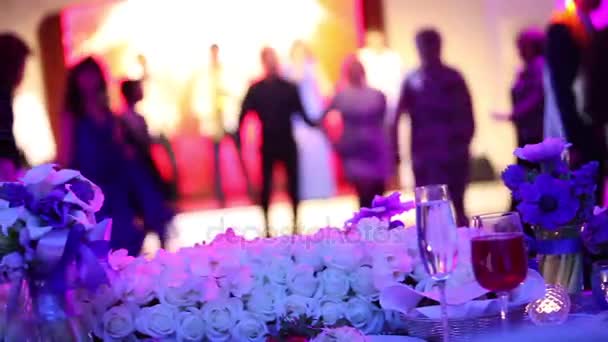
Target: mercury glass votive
x=599, y=283
x=552, y=309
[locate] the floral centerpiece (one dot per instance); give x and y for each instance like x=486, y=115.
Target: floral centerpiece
x=50, y=242
x=556, y=202
x=288, y=288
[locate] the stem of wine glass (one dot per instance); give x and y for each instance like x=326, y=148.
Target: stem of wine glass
x=443, y=302
x=503, y=298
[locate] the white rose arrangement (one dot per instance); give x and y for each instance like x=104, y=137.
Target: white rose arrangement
x=234, y=289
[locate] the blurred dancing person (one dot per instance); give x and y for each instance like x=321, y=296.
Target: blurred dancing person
x=316, y=171
x=275, y=100
x=216, y=103
x=596, y=90
x=13, y=55
x=363, y=146
x=527, y=94
x=137, y=135
x=569, y=38
x=441, y=113
x=384, y=71
x=97, y=151
x=138, y=144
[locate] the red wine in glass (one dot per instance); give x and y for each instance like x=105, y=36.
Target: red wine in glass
x=499, y=261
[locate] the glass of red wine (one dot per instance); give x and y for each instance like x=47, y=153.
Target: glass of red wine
x=498, y=254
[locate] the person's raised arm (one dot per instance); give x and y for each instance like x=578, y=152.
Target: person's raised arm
x=247, y=105
x=532, y=101
x=297, y=107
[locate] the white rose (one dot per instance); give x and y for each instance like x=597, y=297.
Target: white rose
x=143, y=290
x=266, y=302
x=168, y=260
x=295, y=306
x=209, y=288
x=370, y=227
x=118, y=322
x=364, y=315
x=221, y=316
x=391, y=265
x=238, y=283
x=136, y=288
x=341, y=334
x=225, y=262
x=120, y=259
x=331, y=310
x=308, y=252
x=278, y=269
x=362, y=282
x=301, y=280
x=257, y=253
x=190, y=325
x=138, y=281
x=345, y=255
x=335, y=283
x=249, y=328
x=392, y=256
x=158, y=321
x=178, y=293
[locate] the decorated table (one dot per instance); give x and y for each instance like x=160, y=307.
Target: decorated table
x=372, y=280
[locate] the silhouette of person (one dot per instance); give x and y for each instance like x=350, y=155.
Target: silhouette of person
x=441, y=113
x=13, y=56
x=363, y=146
x=275, y=100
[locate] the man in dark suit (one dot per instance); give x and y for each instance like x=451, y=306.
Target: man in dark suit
x=570, y=37
x=275, y=100
x=13, y=55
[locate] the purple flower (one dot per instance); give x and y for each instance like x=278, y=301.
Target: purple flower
x=391, y=205
x=595, y=233
x=383, y=208
x=513, y=177
x=548, y=151
x=548, y=202
x=82, y=189
x=14, y=193
x=584, y=179
x=51, y=209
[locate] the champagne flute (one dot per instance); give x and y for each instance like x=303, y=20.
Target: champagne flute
x=437, y=239
x=499, y=255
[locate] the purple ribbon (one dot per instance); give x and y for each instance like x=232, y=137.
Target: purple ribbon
x=74, y=249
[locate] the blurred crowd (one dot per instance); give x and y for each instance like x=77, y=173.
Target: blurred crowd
x=560, y=90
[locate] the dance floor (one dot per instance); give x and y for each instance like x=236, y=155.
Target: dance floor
x=200, y=225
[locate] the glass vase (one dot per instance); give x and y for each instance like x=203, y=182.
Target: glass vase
x=560, y=256
x=599, y=283
x=37, y=313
